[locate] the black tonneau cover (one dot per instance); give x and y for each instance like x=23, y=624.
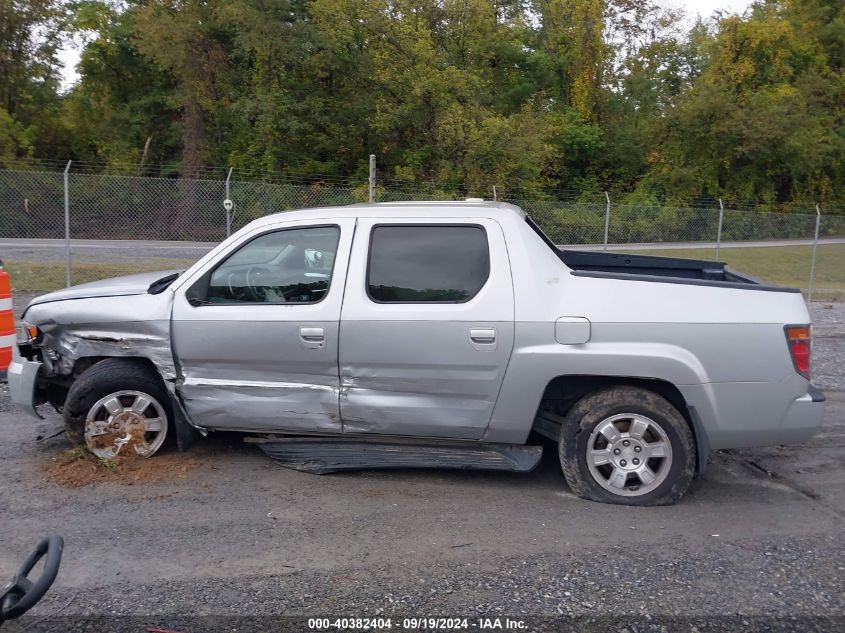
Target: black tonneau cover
x=647, y=265
x=654, y=268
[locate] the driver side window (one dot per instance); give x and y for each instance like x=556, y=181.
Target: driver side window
x=287, y=266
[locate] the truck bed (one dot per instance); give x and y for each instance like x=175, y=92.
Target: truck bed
x=651, y=266
x=654, y=268
x=696, y=272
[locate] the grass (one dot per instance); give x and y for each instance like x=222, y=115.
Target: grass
x=33, y=277
x=81, y=453
x=781, y=265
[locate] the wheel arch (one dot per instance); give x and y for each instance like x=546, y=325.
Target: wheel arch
x=96, y=379
x=562, y=392
x=84, y=362
x=54, y=387
x=186, y=432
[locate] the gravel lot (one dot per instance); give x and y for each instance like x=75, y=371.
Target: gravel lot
x=231, y=533
x=829, y=345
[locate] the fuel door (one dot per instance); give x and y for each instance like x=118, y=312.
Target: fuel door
x=571, y=330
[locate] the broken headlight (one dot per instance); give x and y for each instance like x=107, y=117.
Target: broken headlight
x=28, y=334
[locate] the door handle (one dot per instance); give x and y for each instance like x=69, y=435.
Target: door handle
x=313, y=337
x=482, y=336
x=312, y=333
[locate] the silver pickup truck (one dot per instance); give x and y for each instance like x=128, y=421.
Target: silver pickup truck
x=430, y=335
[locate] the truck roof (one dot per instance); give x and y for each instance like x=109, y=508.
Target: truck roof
x=410, y=209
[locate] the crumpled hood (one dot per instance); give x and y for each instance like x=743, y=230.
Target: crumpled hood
x=114, y=287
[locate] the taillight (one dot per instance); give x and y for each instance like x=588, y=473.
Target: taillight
x=798, y=338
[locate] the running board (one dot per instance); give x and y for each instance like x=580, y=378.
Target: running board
x=321, y=455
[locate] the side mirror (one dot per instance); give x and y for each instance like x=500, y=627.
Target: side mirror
x=197, y=294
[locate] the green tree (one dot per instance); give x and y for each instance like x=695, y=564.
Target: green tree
x=190, y=40
x=31, y=32
x=764, y=120
x=121, y=109
x=530, y=97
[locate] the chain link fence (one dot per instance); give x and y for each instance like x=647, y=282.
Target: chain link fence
x=122, y=224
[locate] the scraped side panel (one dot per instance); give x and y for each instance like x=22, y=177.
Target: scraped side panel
x=420, y=378
x=257, y=376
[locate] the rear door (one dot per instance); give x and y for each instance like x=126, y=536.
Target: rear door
x=426, y=327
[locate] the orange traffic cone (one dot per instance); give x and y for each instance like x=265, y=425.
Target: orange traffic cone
x=7, y=321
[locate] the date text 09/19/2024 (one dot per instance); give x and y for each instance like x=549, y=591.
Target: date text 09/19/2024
x=419, y=623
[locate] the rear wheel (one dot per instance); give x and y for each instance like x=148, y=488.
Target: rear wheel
x=118, y=407
x=628, y=446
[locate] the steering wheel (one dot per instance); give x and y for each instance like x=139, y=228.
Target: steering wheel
x=231, y=288
x=252, y=279
x=21, y=594
x=247, y=292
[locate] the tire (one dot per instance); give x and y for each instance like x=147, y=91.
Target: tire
x=649, y=463
x=130, y=382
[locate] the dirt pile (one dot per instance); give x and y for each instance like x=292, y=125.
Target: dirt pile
x=78, y=467
x=126, y=441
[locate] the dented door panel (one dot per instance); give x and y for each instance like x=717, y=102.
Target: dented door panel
x=425, y=369
x=258, y=376
x=420, y=378
x=263, y=367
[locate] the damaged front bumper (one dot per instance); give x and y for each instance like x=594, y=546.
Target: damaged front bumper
x=22, y=376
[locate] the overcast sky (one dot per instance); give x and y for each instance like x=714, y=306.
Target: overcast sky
x=705, y=8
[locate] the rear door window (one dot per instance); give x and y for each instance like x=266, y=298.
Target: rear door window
x=427, y=263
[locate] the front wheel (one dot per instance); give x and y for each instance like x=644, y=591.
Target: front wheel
x=118, y=407
x=627, y=445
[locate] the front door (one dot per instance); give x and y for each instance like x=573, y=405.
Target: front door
x=427, y=327
x=255, y=334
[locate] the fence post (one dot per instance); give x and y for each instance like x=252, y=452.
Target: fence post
x=372, y=196
x=67, y=222
x=227, y=203
x=719, y=231
x=495, y=197
x=813, y=261
x=606, y=219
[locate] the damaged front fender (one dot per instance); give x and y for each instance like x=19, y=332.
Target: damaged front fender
x=76, y=333
x=65, y=345
x=101, y=327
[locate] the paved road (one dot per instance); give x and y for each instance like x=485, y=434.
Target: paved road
x=127, y=251
x=103, y=251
